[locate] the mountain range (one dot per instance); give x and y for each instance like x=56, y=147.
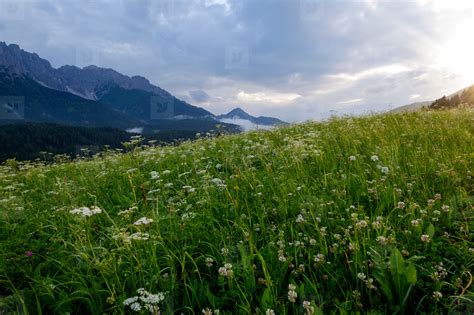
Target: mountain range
x=239, y=117
x=95, y=97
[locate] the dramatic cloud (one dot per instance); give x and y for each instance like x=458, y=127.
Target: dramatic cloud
x=199, y=96
x=295, y=59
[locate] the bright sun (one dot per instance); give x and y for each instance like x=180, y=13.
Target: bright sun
x=456, y=55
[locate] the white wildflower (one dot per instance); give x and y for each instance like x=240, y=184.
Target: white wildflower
x=353, y=247
x=382, y=240
x=189, y=189
x=188, y=216
x=130, y=300
x=226, y=271
x=425, y=238
x=322, y=231
x=319, y=258
x=361, y=224
x=145, y=300
x=292, y=295
x=361, y=276
x=143, y=221
x=209, y=261
x=219, y=183
x=139, y=236
x=86, y=211
x=370, y=284
x=128, y=211
x=300, y=219
x=307, y=306
x=437, y=295
x=136, y=307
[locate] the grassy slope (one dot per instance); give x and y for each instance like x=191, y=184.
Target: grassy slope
x=291, y=194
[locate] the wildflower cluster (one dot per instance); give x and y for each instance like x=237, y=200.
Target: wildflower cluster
x=145, y=301
x=86, y=212
x=226, y=271
x=292, y=295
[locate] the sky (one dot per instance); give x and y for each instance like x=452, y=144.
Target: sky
x=291, y=59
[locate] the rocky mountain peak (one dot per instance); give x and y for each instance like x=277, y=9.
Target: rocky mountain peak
x=69, y=78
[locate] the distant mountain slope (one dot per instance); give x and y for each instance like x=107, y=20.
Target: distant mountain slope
x=146, y=106
x=239, y=114
x=459, y=93
x=411, y=107
x=91, y=82
x=42, y=104
x=464, y=97
x=88, y=79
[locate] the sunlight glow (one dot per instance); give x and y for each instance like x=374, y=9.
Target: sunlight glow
x=457, y=54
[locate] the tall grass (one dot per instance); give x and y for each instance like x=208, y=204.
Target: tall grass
x=370, y=214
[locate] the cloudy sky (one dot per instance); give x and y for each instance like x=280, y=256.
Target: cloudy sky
x=293, y=59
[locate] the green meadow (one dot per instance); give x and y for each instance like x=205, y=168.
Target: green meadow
x=353, y=215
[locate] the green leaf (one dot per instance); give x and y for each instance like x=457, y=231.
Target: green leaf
x=210, y=297
x=250, y=284
x=397, y=262
x=397, y=265
x=384, y=285
x=266, y=301
x=411, y=274
x=430, y=230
